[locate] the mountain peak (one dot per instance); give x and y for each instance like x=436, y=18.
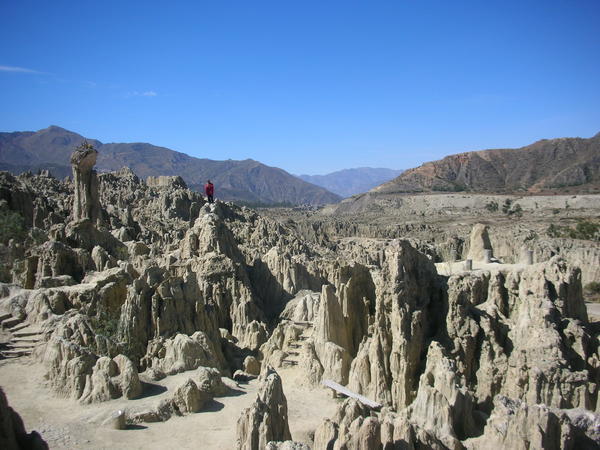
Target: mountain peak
x=56, y=129
x=234, y=180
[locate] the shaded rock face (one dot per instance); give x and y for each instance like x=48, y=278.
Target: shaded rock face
x=266, y=420
x=12, y=431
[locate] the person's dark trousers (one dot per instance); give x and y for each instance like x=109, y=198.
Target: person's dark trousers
x=210, y=199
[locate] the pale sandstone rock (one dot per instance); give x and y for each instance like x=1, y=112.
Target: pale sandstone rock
x=182, y=353
x=188, y=398
x=209, y=380
x=111, y=378
x=251, y=365
x=86, y=204
x=516, y=425
x=266, y=420
x=479, y=241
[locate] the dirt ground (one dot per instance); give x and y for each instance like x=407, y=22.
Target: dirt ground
x=66, y=424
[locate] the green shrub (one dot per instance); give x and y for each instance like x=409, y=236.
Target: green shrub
x=492, y=206
x=506, y=206
x=516, y=210
x=105, y=325
x=584, y=229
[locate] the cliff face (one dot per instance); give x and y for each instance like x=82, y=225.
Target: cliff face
x=546, y=164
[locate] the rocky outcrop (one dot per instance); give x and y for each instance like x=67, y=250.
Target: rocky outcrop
x=112, y=378
x=180, y=286
x=266, y=420
x=485, y=363
x=350, y=428
x=517, y=425
x=182, y=353
x=406, y=315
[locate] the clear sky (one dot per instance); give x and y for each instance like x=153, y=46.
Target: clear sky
x=308, y=86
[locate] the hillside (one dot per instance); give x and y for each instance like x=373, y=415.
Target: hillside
x=248, y=181
x=549, y=164
x=349, y=182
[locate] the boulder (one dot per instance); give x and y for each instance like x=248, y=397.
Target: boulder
x=188, y=398
x=112, y=378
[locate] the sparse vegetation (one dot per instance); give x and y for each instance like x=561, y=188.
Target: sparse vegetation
x=447, y=188
x=492, y=206
x=508, y=208
x=583, y=230
x=516, y=210
x=105, y=325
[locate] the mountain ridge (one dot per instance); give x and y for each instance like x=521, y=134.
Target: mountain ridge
x=546, y=164
x=247, y=181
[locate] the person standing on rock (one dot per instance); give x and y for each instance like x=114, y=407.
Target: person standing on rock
x=209, y=189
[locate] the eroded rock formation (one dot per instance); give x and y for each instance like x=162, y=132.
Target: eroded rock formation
x=170, y=285
x=266, y=420
x=86, y=204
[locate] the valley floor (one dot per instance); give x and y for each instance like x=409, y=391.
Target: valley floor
x=65, y=424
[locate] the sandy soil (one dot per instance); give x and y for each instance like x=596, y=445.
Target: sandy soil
x=65, y=424
x=593, y=311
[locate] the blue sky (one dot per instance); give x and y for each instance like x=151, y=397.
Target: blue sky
x=308, y=86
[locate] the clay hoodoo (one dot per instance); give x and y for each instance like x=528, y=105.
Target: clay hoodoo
x=267, y=419
x=85, y=180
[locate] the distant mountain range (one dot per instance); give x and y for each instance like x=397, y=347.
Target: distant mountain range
x=247, y=181
x=349, y=182
x=546, y=165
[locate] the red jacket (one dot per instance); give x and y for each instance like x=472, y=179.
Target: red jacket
x=209, y=188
